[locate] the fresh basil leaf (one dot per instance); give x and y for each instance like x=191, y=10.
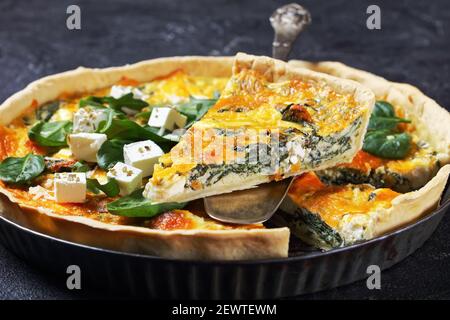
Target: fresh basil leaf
x=21, y=170
x=195, y=109
x=110, y=153
x=111, y=188
x=117, y=104
x=50, y=134
x=46, y=111
x=386, y=144
x=136, y=205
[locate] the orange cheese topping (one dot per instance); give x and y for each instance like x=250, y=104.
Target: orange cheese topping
x=332, y=202
x=364, y=161
x=250, y=100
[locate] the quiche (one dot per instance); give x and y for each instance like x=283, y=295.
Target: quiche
x=374, y=194
x=83, y=153
x=72, y=167
x=269, y=123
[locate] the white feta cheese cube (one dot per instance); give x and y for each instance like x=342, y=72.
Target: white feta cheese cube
x=84, y=146
x=70, y=187
x=142, y=155
x=168, y=118
x=88, y=119
x=129, y=178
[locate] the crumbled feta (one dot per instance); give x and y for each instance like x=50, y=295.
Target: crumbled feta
x=39, y=192
x=88, y=119
x=84, y=146
x=356, y=227
x=129, y=178
x=143, y=155
x=167, y=118
x=70, y=187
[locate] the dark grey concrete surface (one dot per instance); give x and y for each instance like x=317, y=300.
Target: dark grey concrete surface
x=413, y=46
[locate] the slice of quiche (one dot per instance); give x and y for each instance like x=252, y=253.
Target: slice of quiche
x=328, y=217
x=271, y=122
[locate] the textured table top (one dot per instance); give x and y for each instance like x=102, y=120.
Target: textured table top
x=412, y=46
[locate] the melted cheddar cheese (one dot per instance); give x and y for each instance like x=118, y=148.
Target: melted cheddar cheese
x=251, y=101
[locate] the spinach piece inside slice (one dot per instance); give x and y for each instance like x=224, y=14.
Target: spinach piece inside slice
x=50, y=134
x=21, y=170
x=136, y=205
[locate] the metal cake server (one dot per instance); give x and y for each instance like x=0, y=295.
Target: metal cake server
x=258, y=204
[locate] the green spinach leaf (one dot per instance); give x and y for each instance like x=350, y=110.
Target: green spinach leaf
x=195, y=109
x=21, y=170
x=111, y=188
x=383, y=117
x=110, y=153
x=80, y=166
x=125, y=129
x=46, y=111
x=385, y=123
x=383, y=109
x=127, y=101
x=50, y=134
x=382, y=138
x=387, y=144
x=136, y=205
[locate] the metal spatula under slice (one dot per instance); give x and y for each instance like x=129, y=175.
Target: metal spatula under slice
x=248, y=206
x=259, y=204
